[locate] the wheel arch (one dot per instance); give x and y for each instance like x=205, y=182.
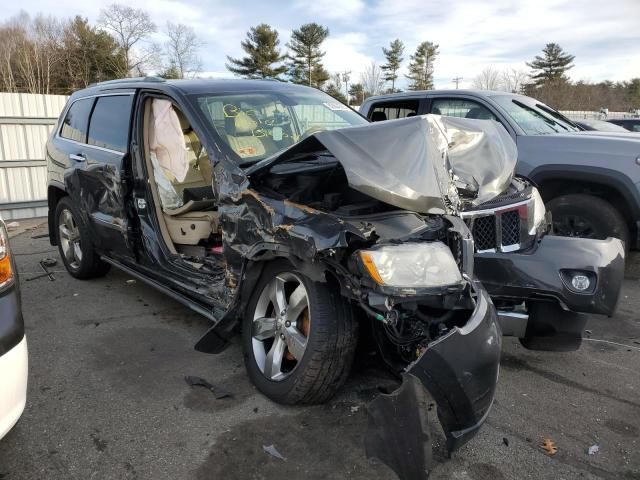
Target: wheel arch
x=54, y=194
x=217, y=338
x=614, y=187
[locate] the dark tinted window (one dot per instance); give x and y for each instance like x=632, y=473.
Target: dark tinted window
x=109, y=126
x=392, y=110
x=75, y=123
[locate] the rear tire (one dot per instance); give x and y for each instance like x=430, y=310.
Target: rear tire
x=74, y=243
x=586, y=216
x=325, y=324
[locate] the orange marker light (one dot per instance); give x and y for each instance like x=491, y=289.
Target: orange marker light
x=6, y=272
x=371, y=267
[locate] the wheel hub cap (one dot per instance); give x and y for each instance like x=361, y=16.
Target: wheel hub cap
x=279, y=335
x=70, y=239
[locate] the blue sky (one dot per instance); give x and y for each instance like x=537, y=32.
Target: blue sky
x=603, y=35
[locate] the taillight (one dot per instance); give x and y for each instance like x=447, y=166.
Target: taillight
x=6, y=271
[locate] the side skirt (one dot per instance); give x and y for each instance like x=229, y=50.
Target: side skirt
x=184, y=300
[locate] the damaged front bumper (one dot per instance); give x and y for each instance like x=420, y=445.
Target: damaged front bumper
x=460, y=371
x=545, y=273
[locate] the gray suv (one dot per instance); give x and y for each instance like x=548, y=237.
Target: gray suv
x=588, y=180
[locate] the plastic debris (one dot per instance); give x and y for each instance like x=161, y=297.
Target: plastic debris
x=593, y=449
x=355, y=409
x=201, y=382
x=549, y=446
x=13, y=225
x=271, y=450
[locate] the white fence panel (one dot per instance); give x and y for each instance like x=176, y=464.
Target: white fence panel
x=25, y=123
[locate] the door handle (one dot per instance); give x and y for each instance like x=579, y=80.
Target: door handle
x=77, y=158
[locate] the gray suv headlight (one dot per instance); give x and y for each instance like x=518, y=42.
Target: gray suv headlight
x=537, y=212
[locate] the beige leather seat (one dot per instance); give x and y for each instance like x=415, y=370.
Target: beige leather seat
x=199, y=172
x=241, y=138
x=188, y=225
x=191, y=227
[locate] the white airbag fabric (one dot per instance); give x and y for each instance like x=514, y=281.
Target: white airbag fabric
x=167, y=140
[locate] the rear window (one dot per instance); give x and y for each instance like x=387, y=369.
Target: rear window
x=109, y=126
x=74, y=126
x=392, y=110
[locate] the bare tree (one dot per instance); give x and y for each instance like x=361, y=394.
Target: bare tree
x=488, y=79
x=30, y=53
x=182, y=49
x=130, y=27
x=372, y=80
x=514, y=79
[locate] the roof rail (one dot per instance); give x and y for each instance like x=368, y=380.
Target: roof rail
x=129, y=80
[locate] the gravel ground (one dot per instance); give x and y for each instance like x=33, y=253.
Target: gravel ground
x=108, y=400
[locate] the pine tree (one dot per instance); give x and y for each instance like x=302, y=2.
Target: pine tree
x=552, y=66
x=170, y=72
x=394, y=58
x=421, y=66
x=336, y=93
x=262, y=51
x=356, y=91
x=305, y=59
x=633, y=92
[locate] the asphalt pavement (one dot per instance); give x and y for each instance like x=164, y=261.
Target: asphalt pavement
x=108, y=398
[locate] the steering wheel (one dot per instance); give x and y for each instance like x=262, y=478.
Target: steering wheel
x=311, y=131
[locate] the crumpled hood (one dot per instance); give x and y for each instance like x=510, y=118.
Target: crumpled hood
x=415, y=163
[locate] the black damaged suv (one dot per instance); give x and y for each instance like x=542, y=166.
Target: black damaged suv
x=271, y=207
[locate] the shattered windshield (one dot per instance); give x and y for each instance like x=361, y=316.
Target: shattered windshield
x=256, y=125
x=533, y=117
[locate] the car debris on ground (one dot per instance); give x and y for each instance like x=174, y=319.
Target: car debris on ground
x=218, y=392
x=271, y=450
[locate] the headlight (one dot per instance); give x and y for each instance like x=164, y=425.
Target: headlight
x=412, y=265
x=6, y=272
x=537, y=217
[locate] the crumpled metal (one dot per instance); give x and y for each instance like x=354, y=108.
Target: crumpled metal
x=419, y=163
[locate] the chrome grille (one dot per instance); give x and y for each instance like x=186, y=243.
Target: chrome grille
x=484, y=232
x=497, y=230
x=510, y=228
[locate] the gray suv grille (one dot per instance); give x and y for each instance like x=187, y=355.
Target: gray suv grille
x=500, y=229
x=484, y=232
x=510, y=228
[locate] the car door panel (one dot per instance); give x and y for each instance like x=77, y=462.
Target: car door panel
x=94, y=175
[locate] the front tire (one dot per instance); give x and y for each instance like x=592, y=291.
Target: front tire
x=586, y=216
x=75, y=245
x=299, y=337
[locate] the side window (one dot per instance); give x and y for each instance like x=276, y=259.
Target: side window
x=74, y=126
x=109, y=126
x=451, y=107
x=313, y=115
x=392, y=110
